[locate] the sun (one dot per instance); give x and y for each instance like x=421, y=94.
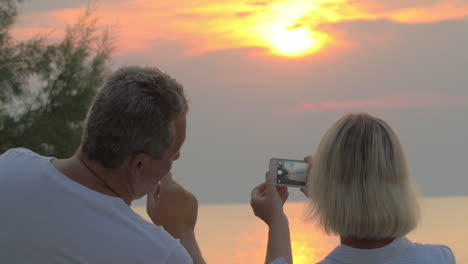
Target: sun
x=293, y=43
x=284, y=31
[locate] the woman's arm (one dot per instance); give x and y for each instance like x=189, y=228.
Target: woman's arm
x=267, y=203
x=279, y=241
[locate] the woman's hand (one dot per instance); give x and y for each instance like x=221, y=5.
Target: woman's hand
x=309, y=160
x=267, y=200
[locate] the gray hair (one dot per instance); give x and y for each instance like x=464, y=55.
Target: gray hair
x=359, y=184
x=133, y=112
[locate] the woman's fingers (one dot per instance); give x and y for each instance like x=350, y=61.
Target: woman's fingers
x=256, y=191
x=304, y=191
x=284, y=196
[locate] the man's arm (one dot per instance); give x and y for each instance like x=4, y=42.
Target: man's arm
x=174, y=208
x=190, y=244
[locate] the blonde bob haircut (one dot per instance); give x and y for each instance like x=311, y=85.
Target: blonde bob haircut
x=359, y=184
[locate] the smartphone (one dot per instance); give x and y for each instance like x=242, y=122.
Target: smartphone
x=289, y=172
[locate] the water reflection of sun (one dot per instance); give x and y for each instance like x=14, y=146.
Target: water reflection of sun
x=309, y=244
x=233, y=231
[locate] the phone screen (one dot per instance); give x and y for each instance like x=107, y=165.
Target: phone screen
x=290, y=172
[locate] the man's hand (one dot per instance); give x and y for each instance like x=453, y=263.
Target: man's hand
x=173, y=207
x=267, y=200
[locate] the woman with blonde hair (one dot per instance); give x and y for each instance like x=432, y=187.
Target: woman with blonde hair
x=359, y=188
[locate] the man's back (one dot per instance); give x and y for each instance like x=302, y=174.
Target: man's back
x=48, y=218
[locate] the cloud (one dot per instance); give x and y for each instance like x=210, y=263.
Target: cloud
x=430, y=13
x=383, y=6
x=49, y=5
x=259, y=3
x=409, y=101
x=412, y=74
x=244, y=14
x=212, y=25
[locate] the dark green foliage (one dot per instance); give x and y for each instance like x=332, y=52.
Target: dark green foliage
x=46, y=88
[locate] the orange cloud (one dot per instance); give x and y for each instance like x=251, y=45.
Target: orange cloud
x=432, y=13
x=287, y=27
x=24, y=33
x=426, y=100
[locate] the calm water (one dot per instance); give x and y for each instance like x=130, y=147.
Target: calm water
x=230, y=234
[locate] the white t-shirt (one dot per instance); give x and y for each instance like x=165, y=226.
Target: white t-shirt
x=400, y=251
x=45, y=217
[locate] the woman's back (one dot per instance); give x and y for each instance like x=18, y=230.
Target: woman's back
x=360, y=188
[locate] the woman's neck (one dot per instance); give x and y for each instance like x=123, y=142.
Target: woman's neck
x=365, y=243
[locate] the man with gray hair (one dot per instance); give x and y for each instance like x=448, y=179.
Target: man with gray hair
x=76, y=210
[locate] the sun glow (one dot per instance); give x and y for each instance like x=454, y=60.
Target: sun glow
x=295, y=42
x=286, y=28
x=283, y=30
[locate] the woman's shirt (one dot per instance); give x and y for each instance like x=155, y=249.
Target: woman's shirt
x=400, y=251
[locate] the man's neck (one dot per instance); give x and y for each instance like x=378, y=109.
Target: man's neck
x=90, y=174
x=365, y=243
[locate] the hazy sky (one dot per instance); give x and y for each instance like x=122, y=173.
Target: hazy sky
x=267, y=78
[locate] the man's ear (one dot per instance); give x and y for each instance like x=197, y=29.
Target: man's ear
x=136, y=162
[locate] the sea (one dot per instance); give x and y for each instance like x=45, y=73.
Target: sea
x=231, y=234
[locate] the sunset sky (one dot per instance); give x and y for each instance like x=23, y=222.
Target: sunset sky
x=266, y=78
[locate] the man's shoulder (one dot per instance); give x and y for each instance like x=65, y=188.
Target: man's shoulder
x=154, y=241
x=146, y=232
x=18, y=152
x=151, y=231
x=19, y=158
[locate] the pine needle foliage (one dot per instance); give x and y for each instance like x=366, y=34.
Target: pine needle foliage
x=46, y=87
